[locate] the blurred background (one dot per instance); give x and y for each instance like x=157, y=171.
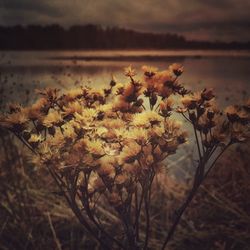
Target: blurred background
x=82, y=42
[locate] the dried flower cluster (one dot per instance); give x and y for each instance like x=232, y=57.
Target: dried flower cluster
x=108, y=144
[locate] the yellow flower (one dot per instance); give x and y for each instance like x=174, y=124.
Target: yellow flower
x=131, y=91
x=46, y=153
x=35, y=111
x=129, y=153
x=95, y=95
x=120, y=104
x=57, y=140
x=172, y=126
x=163, y=90
x=68, y=131
x=191, y=101
x=156, y=131
x=147, y=119
x=112, y=149
x=176, y=68
x=95, y=147
x=106, y=109
x=87, y=116
x=149, y=71
x=35, y=138
x=164, y=77
x=237, y=114
x=100, y=131
x=240, y=133
x=73, y=107
x=106, y=170
x=113, y=123
x=73, y=94
x=166, y=107
x=51, y=94
x=129, y=71
x=140, y=135
x=15, y=121
x=53, y=118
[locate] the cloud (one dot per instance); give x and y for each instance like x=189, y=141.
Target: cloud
x=210, y=19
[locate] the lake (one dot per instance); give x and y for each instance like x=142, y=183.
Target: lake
x=228, y=72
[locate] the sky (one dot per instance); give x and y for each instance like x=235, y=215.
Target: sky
x=224, y=20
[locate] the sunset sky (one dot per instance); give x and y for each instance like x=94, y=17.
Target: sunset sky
x=225, y=20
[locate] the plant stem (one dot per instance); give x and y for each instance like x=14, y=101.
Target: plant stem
x=189, y=199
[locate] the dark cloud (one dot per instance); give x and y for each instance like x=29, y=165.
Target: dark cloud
x=210, y=19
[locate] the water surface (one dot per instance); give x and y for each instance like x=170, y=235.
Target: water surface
x=228, y=72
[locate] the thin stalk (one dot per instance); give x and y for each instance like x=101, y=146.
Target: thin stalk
x=203, y=148
x=217, y=157
x=35, y=126
x=197, y=142
x=91, y=216
x=147, y=220
x=25, y=143
x=76, y=210
x=189, y=199
x=147, y=208
x=138, y=212
x=186, y=117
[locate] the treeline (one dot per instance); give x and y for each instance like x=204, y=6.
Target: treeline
x=55, y=37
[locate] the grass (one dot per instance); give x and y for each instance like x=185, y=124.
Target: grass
x=35, y=216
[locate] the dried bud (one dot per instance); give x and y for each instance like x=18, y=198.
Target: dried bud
x=210, y=114
x=112, y=82
x=147, y=93
x=181, y=110
x=120, y=91
x=100, y=115
x=52, y=131
x=192, y=116
x=177, y=69
x=107, y=92
x=138, y=102
x=153, y=99
x=200, y=110
x=181, y=139
x=207, y=94
x=149, y=71
x=40, y=127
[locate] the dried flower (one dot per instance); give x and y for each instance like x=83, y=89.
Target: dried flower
x=129, y=71
x=176, y=68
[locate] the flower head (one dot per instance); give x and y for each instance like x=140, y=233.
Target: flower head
x=129, y=71
x=176, y=68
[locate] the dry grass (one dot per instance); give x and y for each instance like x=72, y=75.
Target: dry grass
x=35, y=216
